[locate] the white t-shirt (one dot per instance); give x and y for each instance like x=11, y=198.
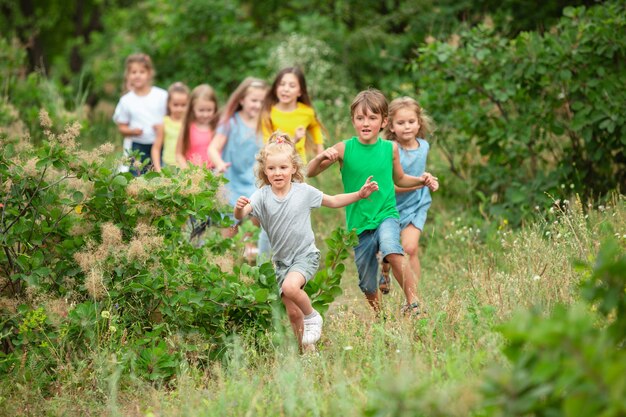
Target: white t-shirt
x=142, y=112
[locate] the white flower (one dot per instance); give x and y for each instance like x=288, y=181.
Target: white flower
x=536, y=278
x=347, y=348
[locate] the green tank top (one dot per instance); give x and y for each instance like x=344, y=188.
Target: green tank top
x=359, y=162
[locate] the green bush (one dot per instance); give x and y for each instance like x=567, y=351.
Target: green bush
x=93, y=259
x=571, y=363
x=541, y=113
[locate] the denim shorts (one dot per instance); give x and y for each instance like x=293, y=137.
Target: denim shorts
x=305, y=264
x=385, y=239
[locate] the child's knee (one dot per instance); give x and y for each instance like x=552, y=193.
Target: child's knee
x=411, y=249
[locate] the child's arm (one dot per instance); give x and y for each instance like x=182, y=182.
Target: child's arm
x=403, y=180
x=242, y=207
x=155, y=151
x=342, y=200
x=326, y=159
x=126, y=130
x=180, y=158
x=215, y=152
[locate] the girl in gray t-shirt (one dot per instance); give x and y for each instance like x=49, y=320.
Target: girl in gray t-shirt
x=283, y=206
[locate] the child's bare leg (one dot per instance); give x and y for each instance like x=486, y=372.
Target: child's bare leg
x=292, y=289
x=296, y=318
x=406, y=280
x=410, y=242
x=373, y=301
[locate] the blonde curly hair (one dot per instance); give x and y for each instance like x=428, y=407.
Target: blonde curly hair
x=278, y=142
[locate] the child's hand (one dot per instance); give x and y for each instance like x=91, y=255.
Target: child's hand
x=136, y=131
x=331, y=154
x=222, y=167
x=242, y=202
x=368, y=188
x=430, y=181
x=299, y=134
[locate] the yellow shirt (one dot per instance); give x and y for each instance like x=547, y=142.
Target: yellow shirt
x=288, y=122
x=170, y=137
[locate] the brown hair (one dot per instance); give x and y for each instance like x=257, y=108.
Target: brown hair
x=204, y=92
x=278, y=143
x=177, y=87
x=427, y=126
x=234, y=101
x=265, y=119
x=372, y=100
x=138, y=58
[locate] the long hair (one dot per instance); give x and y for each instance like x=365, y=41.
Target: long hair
x=204, y=92
x=278, y=143
x=427, y=127
x=233, y=105
x=138, y=58
x=265, y=119
x=177, y=87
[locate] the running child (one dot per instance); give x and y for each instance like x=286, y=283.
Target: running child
x=164, y=147
x=376, y=219
x=408, y=125
x=283, y=207
x=139, y=113
x=288, y=108
x=198, y=128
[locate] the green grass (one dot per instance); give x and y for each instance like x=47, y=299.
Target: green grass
x=475, y=274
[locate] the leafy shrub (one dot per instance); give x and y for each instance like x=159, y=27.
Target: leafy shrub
x=91, y=259
x=571, y=363
x=534, y=114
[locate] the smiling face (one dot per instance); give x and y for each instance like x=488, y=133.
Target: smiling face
x=203, y=111
x=367, y=124
x=288, y=89
x=279, y=169
x=405, y=125
x=252, y=103
x=139, y=76
x=177, y=105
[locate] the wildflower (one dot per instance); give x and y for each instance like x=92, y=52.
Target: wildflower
x=105, y=314
x=111, y=235
x=536, y=277
x=112, y=329
x=347, y=348
x=44, y=119
x=94, y=284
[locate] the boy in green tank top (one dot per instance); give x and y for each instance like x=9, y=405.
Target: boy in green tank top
x=376, y=218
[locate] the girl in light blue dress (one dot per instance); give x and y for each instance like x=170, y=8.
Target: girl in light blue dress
x=236, y=142
x=408, y=124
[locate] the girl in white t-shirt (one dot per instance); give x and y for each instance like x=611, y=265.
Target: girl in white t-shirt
x=139, y=113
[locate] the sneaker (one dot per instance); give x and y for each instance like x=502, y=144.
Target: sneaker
x=312, y=329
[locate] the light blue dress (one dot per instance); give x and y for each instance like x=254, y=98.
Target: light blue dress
x=413, y=206
x=240, y=150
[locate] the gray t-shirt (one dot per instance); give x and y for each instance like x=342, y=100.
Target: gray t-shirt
x=287, y=220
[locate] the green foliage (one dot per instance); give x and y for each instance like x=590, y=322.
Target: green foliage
x=572, y=362
x=534, y=114
x=91, y=258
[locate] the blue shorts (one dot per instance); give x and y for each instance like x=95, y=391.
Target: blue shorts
x=384, y=239
x=306, y=264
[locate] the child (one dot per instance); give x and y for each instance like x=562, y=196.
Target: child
x=375, y=219
x=287, y=107
x=236, y=143
x=139, y=113
x=198, y=128
x=283, y=206
x=408, y=124
x=164, y=147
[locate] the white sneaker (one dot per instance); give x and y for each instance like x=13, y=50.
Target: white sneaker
x=312, y=330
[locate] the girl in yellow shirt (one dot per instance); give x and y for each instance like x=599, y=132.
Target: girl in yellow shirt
x=288, y=108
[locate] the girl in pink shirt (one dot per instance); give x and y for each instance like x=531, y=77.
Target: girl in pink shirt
x=198, y=128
